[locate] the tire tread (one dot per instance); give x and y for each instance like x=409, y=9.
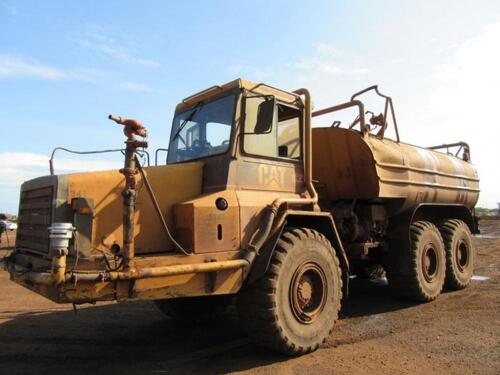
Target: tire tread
x=448, y=229
x=409, y=285
x=257, y=305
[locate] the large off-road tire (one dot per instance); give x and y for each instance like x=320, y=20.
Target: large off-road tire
x=421, y=272
x=293, y=308
x=194, y=309
x=459, y=253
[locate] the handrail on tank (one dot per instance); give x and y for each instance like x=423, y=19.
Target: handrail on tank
x=461, y=146
x=388, y=103
x=156, y=155
x=338, y=107
x=51, y=160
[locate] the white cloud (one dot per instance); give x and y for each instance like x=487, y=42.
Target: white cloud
x=148, y=63
x=18, y=167
x=15, y=67
x=249, y=71
x=110, y=48
x=134, y=87
x=114, y=52
x=464, y=102
x=318, y=66
x=327, y=49
x=325, y=62
x=441, y=50
x=12, y=66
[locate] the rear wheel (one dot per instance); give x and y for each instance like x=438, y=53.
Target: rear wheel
x=194, y=309
x=419, y=274
x=293, y=308
x=459, y=253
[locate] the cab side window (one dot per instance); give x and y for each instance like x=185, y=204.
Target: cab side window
x=283, y=139
x=263, y=144
x=288, y=132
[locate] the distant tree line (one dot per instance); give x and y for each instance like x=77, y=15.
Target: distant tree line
x=482, y=211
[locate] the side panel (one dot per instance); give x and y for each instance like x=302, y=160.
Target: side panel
x=171, y=184
x=267, y=175
x=344, y=163
x=258, y=182
x=203, y=227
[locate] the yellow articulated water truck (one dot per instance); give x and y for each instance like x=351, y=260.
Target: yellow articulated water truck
x=254, y=203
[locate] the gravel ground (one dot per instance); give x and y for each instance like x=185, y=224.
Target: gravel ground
x=377, y=333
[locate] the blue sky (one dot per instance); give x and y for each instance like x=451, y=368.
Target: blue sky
x=65, y=65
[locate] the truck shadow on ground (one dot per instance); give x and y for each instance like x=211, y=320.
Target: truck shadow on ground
x=369, y=297
x=136, y=338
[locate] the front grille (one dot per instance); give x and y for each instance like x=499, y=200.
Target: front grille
x=35, y=212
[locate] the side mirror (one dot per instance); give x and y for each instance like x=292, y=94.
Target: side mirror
x=265, y=116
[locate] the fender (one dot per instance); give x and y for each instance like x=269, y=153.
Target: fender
x=400, y=224
x=319, y=221
x=436, y=211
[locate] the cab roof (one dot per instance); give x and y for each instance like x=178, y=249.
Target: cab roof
x=241, y=83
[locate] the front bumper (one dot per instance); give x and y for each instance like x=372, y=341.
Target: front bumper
x=153, y=277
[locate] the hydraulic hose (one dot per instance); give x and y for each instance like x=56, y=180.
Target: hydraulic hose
x=158, y=209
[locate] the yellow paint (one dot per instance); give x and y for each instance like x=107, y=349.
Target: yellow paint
x=102, y=291
x=226, y=282
x=171, y=184
x=199, y=222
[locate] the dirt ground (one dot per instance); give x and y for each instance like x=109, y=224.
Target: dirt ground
x=377, y=334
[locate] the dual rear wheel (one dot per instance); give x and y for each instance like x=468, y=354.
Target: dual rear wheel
x=438, y=257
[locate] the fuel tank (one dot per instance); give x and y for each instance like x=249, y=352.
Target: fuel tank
x=353, y=166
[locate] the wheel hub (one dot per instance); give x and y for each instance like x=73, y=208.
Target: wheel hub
x=429, y=262
x=462, y=255
x=308, y=292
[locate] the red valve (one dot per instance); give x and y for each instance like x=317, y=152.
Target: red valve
x=132, y=126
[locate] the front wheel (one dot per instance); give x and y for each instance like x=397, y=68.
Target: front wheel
x=293, y=308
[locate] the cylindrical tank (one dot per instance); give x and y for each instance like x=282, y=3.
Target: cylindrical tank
x=353, y=166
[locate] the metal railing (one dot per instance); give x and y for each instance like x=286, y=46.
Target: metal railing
x=142, y=154
x=462, y=147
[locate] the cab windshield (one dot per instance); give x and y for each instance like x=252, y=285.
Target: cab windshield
x=203, y=130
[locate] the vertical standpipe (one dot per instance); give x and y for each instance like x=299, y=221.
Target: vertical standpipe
x=132, y=128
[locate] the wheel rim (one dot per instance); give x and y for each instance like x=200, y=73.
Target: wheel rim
x=461, y=255
x=308, y=292
x=429, y=262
